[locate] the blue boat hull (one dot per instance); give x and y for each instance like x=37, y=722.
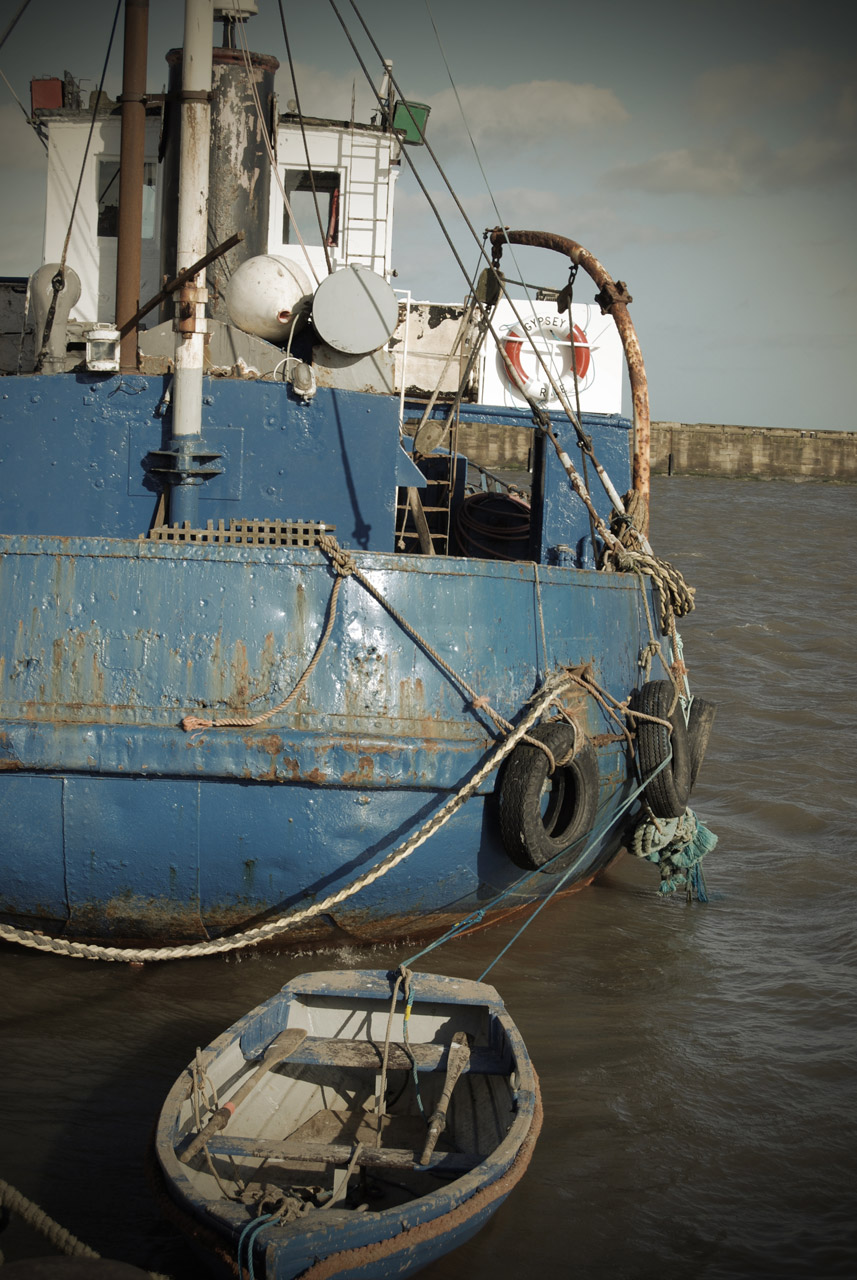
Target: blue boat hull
x=116, y=822
x=448, y=1196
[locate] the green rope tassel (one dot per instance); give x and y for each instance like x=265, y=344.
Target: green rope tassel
x=676, y=846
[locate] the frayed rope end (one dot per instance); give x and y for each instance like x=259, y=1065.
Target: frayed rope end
x=191, y=724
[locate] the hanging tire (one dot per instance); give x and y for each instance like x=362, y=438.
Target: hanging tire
x=699, y=722
x=540, y=816
x=668, y=792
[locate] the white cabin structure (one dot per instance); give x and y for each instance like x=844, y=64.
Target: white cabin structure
x=355, y=167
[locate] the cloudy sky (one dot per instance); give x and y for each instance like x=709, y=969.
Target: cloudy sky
x=705, y=153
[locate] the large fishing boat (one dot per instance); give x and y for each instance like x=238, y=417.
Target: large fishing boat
x=327, y=612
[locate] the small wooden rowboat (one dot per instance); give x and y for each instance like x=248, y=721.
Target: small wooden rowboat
x=358, y=1123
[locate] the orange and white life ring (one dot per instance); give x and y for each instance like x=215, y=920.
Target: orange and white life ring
x=574, y=345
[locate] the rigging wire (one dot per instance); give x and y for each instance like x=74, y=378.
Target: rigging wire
x=500, y=220
x=58, y=282
x=88, y=141
x=321, y=230
x=29, y=119
x=275, y=169
x=407, y=157
x=10, y=27
x=95, y=107
x=572, y=276
x=538, y=410
x=540, y=416
x=511, y=249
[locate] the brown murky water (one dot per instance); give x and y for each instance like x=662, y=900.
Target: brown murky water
x=698, y=1063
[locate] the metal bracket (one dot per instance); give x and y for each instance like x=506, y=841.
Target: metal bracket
x=185, y=464
x=610, y=293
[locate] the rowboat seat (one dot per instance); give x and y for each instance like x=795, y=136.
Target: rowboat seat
x=318, y=1051
x=323, y=1153
x=329, y=1138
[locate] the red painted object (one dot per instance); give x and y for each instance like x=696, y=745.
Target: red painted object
x=46, y=93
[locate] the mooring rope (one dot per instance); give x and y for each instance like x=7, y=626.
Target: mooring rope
x=345, y=566
x=34, y=1216
x=193, y=724
x=552, y=688
x=345, y=563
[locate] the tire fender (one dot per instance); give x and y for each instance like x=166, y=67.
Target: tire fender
x=668, y=792
x=699, y=723
x=540, y=816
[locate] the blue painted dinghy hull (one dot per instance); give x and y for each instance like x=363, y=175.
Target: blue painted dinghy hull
x=303, y=1133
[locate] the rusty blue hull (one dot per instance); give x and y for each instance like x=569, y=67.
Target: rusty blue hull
x=115, y=822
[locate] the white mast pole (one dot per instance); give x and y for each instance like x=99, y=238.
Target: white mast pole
x=191, y=238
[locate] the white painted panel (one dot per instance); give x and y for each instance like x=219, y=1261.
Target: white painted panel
x=600, y=359
x=92, y=257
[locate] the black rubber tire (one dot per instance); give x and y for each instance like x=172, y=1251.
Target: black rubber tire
x=699, y=723
x=669, y=791
x=533, y=833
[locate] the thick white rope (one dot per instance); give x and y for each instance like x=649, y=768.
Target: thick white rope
x=36, y=1218
x=58, y=1236
x=250, y=937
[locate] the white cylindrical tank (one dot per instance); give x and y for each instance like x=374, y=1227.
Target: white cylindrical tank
x=354, y=310
x=262, y=295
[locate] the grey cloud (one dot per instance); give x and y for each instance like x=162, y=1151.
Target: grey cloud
x=325, y=94
x=744, y=162
x=791, y=78
x=520, y=116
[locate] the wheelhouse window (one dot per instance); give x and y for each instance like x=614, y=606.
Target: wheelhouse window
x=108, y=199
x=299, y=192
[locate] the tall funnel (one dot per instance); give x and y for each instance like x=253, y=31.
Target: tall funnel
x=239, y=168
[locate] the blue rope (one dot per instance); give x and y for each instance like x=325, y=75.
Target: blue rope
x=477, y=916
x=696, y=883
x=469, y=922
x=251, y=1230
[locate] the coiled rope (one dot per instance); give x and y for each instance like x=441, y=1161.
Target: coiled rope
x=627, y=553
x=676, y=846
x=536, y=705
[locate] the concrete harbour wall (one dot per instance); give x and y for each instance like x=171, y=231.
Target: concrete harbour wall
x=761, y=453
x=700, y=449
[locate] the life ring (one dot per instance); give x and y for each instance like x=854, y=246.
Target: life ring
x=575, y=349
x=540, y=816
x=668, y=792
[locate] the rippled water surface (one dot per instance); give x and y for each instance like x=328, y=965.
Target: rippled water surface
x=698, y=1063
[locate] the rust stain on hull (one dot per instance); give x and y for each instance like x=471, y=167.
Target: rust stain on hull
x=362, y=775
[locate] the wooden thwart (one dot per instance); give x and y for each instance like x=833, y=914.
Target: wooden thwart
x=321, y=1052
x=337, y=1153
